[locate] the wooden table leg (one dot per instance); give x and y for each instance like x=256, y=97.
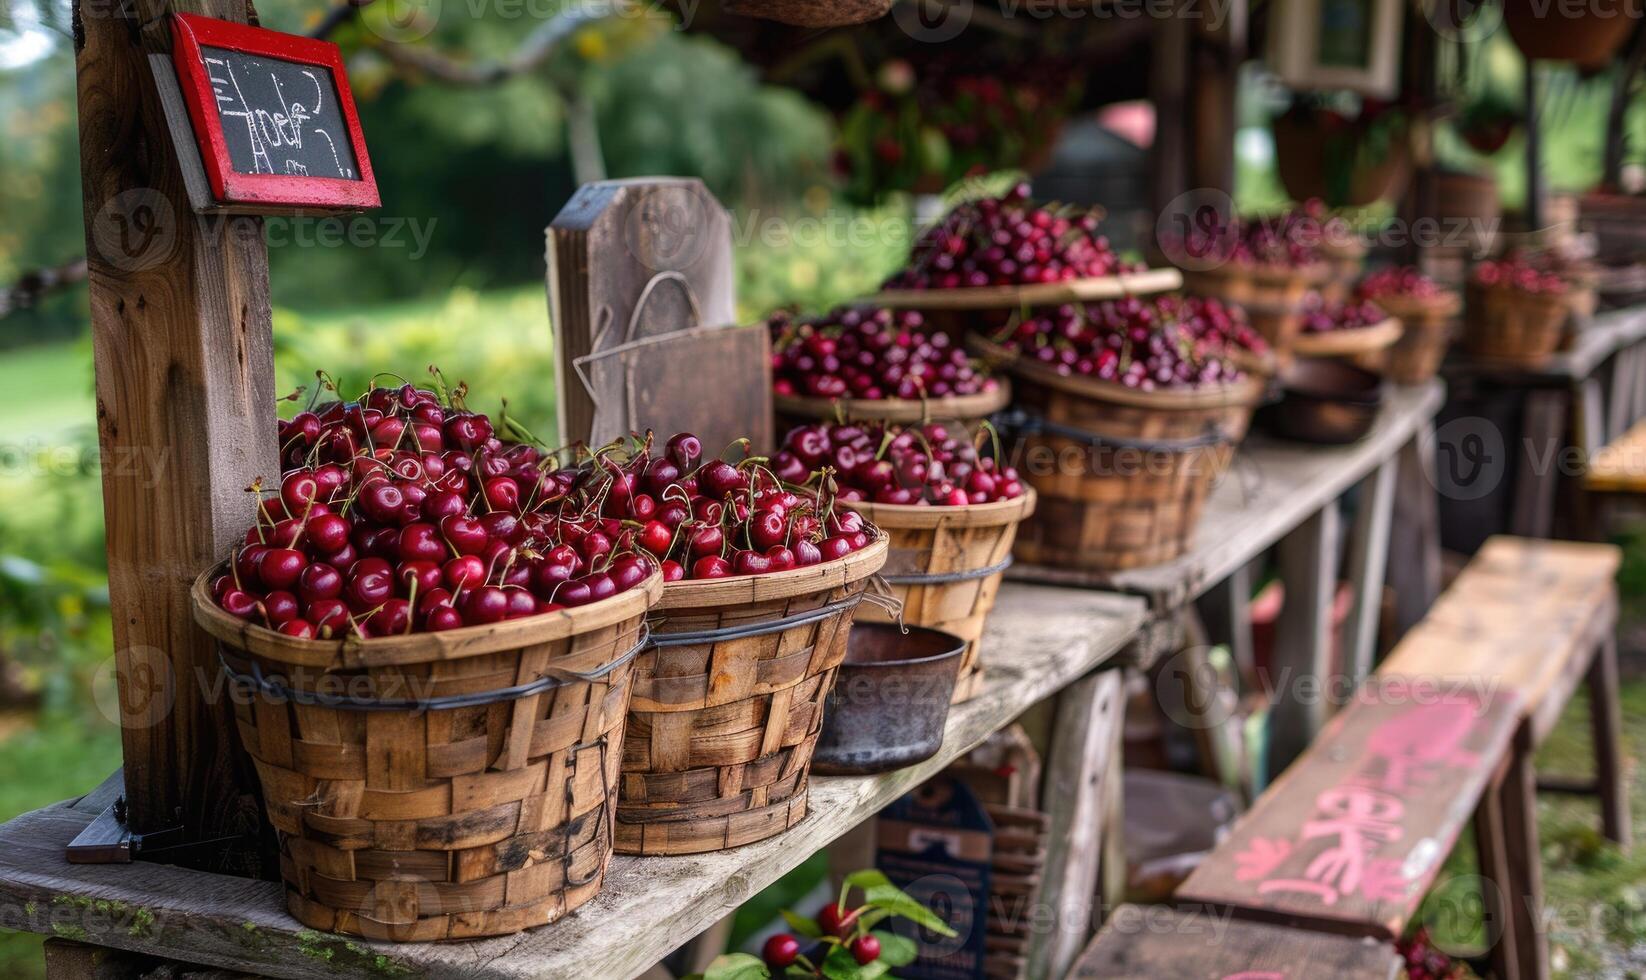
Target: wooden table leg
x=1606, y=728
x=1226, y=612
x=1525, y=859
x=1302, y=663
x=1496, y=881
x=1542, y=437
x=1414, y=534
x=1368, y=561
x=1082, y=770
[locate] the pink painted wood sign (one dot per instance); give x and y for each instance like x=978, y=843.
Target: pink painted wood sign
x=1352, y=835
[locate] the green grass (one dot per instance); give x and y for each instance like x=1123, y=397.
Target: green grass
x=48, y=392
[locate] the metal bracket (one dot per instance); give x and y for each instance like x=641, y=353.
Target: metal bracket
x=107, y=839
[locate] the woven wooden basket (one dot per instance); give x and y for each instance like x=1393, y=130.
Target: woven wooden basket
x=1513, y=327
x=793, y=410
x=1272, y=296
x=438, y=785
x=945, y=565
x=1426, y=332
x=721, y=728
x=1349, y=342
x=1122, y=481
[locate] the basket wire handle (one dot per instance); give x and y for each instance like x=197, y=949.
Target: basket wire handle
x=579, y=364
x=1022, y=422
x=554, y=677
x=760, y=628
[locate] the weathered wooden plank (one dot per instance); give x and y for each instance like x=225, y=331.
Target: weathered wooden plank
x=1543, y=427
x=1154, y=942
x=1353, y=834
x=1414, y=535
x=1038, y=641
x=1606, y=732
x=183, y=348
x=1084, y=760
x=1272, y=487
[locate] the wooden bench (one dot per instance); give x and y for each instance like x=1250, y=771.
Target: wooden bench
x=1535, y=617
x=1351, y=836
x=1150, y=943
x=1620, y=465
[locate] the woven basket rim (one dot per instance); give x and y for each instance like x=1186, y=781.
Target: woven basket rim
x=1447, y=303
x=1312, y=274
x=1247, y=391
x=980, y=405
x=746, y=589
x=1160, y=279
x=1521, y=296
x=915, y=516
x=1359, y=340
x=417, y=648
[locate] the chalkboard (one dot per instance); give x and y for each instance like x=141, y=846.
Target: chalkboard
x=279, y=117
x=271, y=116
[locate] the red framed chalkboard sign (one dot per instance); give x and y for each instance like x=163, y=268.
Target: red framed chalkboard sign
x=273, y=119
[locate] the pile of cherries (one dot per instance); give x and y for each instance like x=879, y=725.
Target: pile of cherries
x=1009, y=241
x=888, y=464
x=1425, y=962
x=1402, y=281
x=1143, y=344
x=405, y=512
x=1323, y=317
x=401, y=513
x=1291, y=239
x=1215, y=323
x=870, y=354
x=1517, y=273
x=718, y=519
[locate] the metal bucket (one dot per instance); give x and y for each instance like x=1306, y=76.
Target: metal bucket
x=890, y=700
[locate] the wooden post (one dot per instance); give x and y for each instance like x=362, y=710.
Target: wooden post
x=1303, y=636
x=1536, y=186
x=1414, y=533
x=183, y=347
x=1169, y=91
x=1368, y=562
x=1081, y=772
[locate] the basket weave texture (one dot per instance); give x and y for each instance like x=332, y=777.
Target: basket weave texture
x=1512, y=326
x=952, y=542
x=1107, y=506
x=721, y=731
x=418, y=824
x=1426, y=332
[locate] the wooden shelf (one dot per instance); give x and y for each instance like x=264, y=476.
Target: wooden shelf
x=1272, y=488
x=1604, y=336
x=1038, y=641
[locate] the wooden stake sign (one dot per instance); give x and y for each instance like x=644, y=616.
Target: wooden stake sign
x=183, y=347
x=640, y=292
x=271, y=117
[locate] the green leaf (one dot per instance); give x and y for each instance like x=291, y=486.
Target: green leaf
x=898, y=902
x=806, y=927
x=841, y=965
x=895, y=950
x=736, y=966
x=867, y=879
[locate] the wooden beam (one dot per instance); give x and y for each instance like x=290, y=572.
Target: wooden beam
x=1542, y=437
x=1368, y=561
x=1606, y=729
x=183, y=347
x=1414, y=534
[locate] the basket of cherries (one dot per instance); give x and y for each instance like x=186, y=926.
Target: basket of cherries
x=950, y=505
x=1425, y=310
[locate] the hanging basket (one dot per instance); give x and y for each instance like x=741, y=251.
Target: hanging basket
x=728, y=703
x=441, y=785
x=945, y=565
x=1426, y=329
x=1513, y=327
x=1302, y=159
x=1122, y=475
x=1588, y=35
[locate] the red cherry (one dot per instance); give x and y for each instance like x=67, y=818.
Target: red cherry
x=329, y=616
x=465, y=534
x=237, y=602
x=439, y=504
x=711, y=566
x=328, y=532
x=368, y=590
x=463, y=572
x=521, y=602
x=443, y=618
x=486, y=604
x=832, y=921
x=426, y=575
x=319, y=581
x=656, y=537
x=382, y=501
x=684, y=449
x=420, y=541
x=391, y=620
x=299, y=489
x=672, y=572
x=750, y=563
x=280, y=567
x=865, y=949
x=502, y=493
x=302, y=629
x=780, y=951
